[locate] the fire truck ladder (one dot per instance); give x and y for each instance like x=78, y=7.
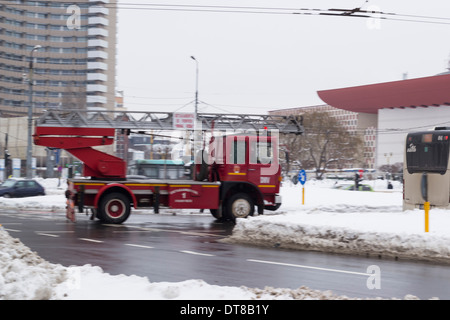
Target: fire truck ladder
x=140, y=120
x=77, y=131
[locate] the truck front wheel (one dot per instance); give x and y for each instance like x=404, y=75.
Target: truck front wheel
x=114, y=208
x=239, y=205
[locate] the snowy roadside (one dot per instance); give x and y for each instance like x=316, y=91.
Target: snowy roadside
x=362, y=223
x=26, y=276
x=53, y=200
x=305, y=232
x=331, y=220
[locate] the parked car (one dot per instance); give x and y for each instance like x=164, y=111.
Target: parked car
x=361, y=187
x=21, y=188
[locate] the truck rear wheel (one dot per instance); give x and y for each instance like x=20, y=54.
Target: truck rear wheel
x=114, y=208
x=239, y=205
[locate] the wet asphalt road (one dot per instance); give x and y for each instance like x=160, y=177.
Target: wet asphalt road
x=174, y=248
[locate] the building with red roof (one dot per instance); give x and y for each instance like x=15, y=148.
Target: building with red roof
x=383, y=113
x=401, y=107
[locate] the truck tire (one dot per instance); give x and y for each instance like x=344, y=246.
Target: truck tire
x=114, y=208
x=215, y=213
x=240, y=205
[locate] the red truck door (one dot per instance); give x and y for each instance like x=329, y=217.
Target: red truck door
x=263, y=167
x=236, y=158
x=254, y=159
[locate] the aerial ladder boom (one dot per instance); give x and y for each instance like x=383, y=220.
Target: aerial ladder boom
x=79, y=142
x=141, y=120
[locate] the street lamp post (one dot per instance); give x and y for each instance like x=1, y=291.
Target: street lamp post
x=196, y=146
x=196, y=86
x=30, y=114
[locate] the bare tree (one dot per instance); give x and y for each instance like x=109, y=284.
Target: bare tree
x=325, y=144
x=289, y=152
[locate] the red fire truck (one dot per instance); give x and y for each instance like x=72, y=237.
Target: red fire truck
x=239, y=172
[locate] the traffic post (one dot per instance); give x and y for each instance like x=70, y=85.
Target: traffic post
x=302, y=180
x=426, y=207
x=426, y=204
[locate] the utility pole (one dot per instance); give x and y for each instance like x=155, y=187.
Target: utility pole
x=7, y=160
x=196, y=134
x=30, y=115
x=196, y=87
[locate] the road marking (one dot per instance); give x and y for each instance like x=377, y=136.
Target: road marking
x=131, y=231
x=309, y=267
x=197, y=253
x=201, y=234
x=47, y=234
x=113, y=225
x=91, y=240
x=138, y=246
x=54, y=231
x=11, y=230
x=140, y=229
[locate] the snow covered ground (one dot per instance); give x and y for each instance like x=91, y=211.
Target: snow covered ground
x=330, y=220
x=365, y=223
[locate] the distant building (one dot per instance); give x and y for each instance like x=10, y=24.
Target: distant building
x=399, y=107
x=75, y=63
x=119, y=105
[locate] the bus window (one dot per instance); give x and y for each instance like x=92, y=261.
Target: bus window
x=427, y=152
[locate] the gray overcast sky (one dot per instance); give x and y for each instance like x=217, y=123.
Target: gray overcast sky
x=253, y=63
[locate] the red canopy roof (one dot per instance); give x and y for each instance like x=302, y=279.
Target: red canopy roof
x=420, y=92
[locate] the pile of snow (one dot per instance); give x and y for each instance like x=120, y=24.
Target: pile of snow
x=23, y=274
x=334, y=220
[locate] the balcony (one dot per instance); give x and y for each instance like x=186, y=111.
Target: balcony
x=96, y=88
x=98, y=20
x=97, y=66
x=97, y=43
x=97, y=54
x=97, y=77
x=95, y=99
x=97, y=10
x=97, y=32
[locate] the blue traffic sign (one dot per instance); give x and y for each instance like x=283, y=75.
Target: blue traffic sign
x=302, y=176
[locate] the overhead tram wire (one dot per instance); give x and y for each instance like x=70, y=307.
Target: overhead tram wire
x=355, y=13
x=336, y=12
